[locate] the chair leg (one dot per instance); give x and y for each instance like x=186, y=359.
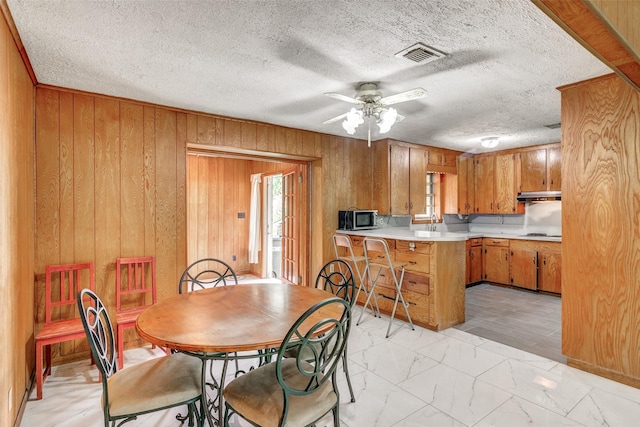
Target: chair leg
x=346, y=373
x=39, y=372
x=336, y=416
x=371, y=293
x=120, y=346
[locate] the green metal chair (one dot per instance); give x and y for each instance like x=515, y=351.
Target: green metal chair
x=150, y=386
x=337, y=277
x=206, y=273
x=296, y=391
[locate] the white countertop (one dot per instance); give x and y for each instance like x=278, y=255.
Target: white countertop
x=405, y=233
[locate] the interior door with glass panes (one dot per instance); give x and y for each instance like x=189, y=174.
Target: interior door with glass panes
x=290, y=228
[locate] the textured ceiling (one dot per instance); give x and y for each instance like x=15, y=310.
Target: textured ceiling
x=272, y=60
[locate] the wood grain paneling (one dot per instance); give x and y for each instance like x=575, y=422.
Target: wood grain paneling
x=601, y=232
x=17, y=225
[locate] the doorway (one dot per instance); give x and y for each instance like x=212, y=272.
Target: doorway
x=218, y=207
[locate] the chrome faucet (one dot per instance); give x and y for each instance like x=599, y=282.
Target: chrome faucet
x=434, y=219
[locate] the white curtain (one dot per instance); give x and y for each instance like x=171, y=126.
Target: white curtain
x=254, y=219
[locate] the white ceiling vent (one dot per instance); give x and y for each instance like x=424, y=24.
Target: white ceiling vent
x=420, y=53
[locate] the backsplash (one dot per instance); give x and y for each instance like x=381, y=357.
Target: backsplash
x=539, y=217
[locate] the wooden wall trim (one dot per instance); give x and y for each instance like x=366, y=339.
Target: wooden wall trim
x=586, y=23
x=518, y=150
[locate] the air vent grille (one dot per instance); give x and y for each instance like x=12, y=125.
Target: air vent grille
x=553, y=126
x=420, y=53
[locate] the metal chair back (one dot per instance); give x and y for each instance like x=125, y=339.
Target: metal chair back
x=206, y=273
x=336, y=277
x=319, y=349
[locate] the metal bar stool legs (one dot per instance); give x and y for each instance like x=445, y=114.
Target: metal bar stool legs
x=401, y=298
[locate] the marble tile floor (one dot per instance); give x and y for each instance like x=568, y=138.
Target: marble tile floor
x=525, y=320
x=412, y=379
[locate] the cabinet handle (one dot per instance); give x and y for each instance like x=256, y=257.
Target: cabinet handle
x=413, y=262
x=506, y=256
x=543, y=181
x=411, y=205
x=544, y=261
x=511, y=253
x=498, y=206
x=551, y=182
x=491, y=206
x=534, y=260
x=412, y=282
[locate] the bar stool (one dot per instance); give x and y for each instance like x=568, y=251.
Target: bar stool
x=376, y=253
x=343, y=241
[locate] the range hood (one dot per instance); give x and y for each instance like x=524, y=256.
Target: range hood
x=532, y=196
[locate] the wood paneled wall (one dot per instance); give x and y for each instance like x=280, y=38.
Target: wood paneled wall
x=600, y=228
x=16, y=228
x=624, y=16
x=111, y=180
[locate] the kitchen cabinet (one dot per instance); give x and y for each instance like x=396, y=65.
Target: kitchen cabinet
x=418, y=181
x=540, y=169
x=484, y=180
x=504, y=192
x=495, y=189
x=523, y=264
x=400, y=176
x=399, y=182
x=473, y=261
x=554, y=157
x=495, y=260
x=466, y=186
x=550, y=269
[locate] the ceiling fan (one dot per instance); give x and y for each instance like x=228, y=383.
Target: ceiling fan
x=373, y=106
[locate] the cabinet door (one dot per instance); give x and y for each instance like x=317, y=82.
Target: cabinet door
x=475, y=271
x=399, y=185
x=504, y=193
x=550, y=272
x=496, y=264
x=554, y=166
x=533, y=170
x=524, y=270
x=484, y=184
x=417, y=181
x=466, y=190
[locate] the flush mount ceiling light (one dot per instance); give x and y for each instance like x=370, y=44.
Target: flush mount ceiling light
x=373, y=107
x=490, y=141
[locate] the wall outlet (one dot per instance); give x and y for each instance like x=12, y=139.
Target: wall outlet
x=234, y=258
x=10, y=398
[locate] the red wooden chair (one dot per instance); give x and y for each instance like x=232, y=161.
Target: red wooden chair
x=135, y=280
x=61, y=322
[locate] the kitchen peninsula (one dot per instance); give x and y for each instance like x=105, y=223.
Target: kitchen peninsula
x=434, y=280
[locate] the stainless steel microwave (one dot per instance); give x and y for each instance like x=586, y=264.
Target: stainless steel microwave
x=357, y=219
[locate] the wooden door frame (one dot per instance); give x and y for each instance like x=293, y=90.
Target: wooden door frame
x=304, y=199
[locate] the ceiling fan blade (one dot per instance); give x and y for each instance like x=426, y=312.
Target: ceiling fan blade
x=335, y=119
x=404, y=96
x=344, y=98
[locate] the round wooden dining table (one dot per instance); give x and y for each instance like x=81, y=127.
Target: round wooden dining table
x=217, y=323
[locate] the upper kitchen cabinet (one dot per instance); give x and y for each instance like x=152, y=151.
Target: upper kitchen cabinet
x=495, y=185
x=466, y=186
x=540, y=169
x=484, y=183
x=400, y=178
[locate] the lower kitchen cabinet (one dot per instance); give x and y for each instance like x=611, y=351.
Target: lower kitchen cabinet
x=474, y=261
x=524, y=264
x=550, y=271
x=495, y=260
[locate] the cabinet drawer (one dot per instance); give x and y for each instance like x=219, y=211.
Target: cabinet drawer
x=413, y=247
x=476, y=241
x=418, y=283
x=413, y=261
x=488, y=241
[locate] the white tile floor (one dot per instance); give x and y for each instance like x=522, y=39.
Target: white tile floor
x=412, y=379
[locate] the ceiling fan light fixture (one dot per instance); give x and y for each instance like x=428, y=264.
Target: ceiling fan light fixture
x=490, y=141
x=354, y=118
x=387, y=118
